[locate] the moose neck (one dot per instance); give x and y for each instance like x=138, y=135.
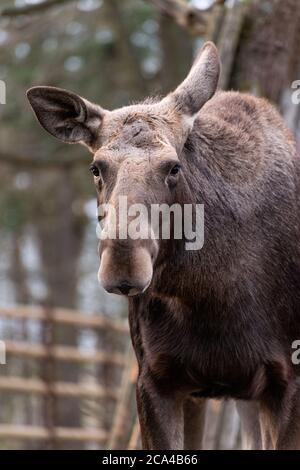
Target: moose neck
x=199, y=269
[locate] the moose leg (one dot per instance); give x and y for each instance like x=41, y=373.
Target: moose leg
x=194, y=422
x=281, y=421
x=289, y=433
x=250, y=423
x=161, y=417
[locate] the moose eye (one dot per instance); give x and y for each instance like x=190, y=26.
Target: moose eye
x=95, y=170
x=175, y=169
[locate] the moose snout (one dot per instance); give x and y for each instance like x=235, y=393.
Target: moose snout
x=125, y=271
x=125, y=288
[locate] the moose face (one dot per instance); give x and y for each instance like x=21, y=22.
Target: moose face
x=137, y=163
x=136, y=160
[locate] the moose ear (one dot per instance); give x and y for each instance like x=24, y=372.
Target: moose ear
x=65, y=115
x=201, y=82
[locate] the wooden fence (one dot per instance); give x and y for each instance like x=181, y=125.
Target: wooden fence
x=47, y=388
x=123, y=430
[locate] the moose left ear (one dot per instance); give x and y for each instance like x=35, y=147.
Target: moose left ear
x=201, y=82
x=66, y=116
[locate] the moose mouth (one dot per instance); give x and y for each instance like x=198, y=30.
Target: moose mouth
x=127, y=289
x=125, y=272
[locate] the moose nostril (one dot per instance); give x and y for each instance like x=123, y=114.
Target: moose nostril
x=124, y=288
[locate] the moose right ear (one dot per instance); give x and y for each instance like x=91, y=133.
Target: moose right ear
x=66, y=116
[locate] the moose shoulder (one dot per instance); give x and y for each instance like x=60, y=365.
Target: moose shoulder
x=216, y=322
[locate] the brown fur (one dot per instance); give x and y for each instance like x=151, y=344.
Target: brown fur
x=218, y=322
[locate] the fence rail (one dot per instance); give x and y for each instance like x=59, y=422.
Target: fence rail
x=65, y=316
x=18, y=431
x=66, y=389
x=62, y=353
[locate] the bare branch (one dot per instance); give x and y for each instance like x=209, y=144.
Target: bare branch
x=37, y=163
x=187, y=16
x=10, y=12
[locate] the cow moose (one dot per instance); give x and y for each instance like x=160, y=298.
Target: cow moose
x=217, y=322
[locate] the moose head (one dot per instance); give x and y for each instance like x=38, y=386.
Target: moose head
x=137, y=153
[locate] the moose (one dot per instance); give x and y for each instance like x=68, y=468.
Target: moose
x=218, y=322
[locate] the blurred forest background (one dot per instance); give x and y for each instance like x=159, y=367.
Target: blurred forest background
x=112, y=52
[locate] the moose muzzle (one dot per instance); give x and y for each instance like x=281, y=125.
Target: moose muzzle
x=126, y=266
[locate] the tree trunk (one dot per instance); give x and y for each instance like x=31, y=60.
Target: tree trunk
x=268, y=45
